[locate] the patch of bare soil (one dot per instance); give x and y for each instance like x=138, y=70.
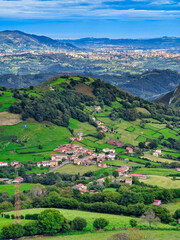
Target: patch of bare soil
x=7, y=118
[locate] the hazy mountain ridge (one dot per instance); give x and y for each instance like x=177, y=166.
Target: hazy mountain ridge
x=163, y=42
x=17, y=41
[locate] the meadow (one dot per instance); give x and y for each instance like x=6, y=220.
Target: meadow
x=75, y=169
x=117, y=221
x=155, y=171
x=155, y=235
x=10, y=188
x=161, y=181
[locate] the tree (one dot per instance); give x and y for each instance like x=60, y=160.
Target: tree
x=115, y=174
x=32, y=228
x=150, y=217
x=79, y=223
x=52, y=221
x=141, y=145
x=12, y=231
x=133, y=223
x=177, y=214
x=100, y=223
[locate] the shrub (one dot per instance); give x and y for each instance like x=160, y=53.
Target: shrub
x=12, y=231
x=133, y=223
x=79, y=223
x=6, y=215
x=52, y=221
x=177, y=214
x=32, y=228
x=100, y=223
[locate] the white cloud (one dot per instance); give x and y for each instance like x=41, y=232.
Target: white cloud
x=63, y=9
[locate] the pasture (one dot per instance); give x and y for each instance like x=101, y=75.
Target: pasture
x=161, y=181
x=155, y=171
x=155, y=235
x=75, y=169
x=10, y=188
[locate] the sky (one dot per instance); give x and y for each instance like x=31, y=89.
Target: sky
x=62, y=19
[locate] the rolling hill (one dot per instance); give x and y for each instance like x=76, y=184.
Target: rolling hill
x=17, y=41
x=164, y=42
x=171, y=98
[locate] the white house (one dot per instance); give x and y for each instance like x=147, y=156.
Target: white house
x=3, y=164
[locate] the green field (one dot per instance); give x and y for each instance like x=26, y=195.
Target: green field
x=6, y=99
x=117, y=221
x=158, y=159
x=120, y=163
x=161, y=181
x=155, y=171
x=10, y=188
x=75, y=169
x=173, y=206
x=155, y=235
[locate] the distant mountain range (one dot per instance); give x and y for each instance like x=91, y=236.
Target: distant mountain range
x=171, y=98
x=163, y=42
x=16, y=41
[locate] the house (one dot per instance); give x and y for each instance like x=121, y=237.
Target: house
x=18, y=180
x=78, y=138
x=147, y=144
x=44, y=164
x=3, y=164
x=122, y=170
x=58, y=157
x=80, y=134
x=178, y=169
x=53, y=163
x=128, y=181
x=129, y=150
x=101, y=180
x=81, y=187
x=102, y=165
x=155, y=154
x=4, y=179
x=140, y=176
x=112, y=156
x=157, y=202
x=15, y=163
x=98, y=108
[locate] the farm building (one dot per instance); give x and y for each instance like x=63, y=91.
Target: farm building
x=129, y=150
x=157, y=202
x=3, y=164
x=140, y=176
x=128, y=181
x=81, y=187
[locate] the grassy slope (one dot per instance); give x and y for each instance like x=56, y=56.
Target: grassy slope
x=117, y=221
x=155, y=235
x=11, y=188
x=161, y=181
x=75, y=169
x=155, y=171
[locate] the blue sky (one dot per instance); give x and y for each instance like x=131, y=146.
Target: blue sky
x=92, y=18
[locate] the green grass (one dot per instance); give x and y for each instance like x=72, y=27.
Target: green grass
x=109, y=190
x=48, y=135
x=6, y=99
x=75, y=169
x=10, y=188
x=155, y=235
x=158, y=159
x=172, y=207
x=117, y=221
x=59, y=81
x=161, y=181
x=120, y=163
x=101, y=171
x=155, y=171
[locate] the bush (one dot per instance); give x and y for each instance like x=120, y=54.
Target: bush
x=177, y=214
x=100, y=223
x=32, y=228
x=31, y=216
x=6, y=215
x=79, y=223
x=12, y=231
x=52, y=221
x=133, y=223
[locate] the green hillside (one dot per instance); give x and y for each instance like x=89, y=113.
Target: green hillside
x=49, y=114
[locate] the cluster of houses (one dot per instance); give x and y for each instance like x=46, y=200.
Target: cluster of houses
x=157, y=152
x=101, y=125
x=11, y=181
x=14, y=163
